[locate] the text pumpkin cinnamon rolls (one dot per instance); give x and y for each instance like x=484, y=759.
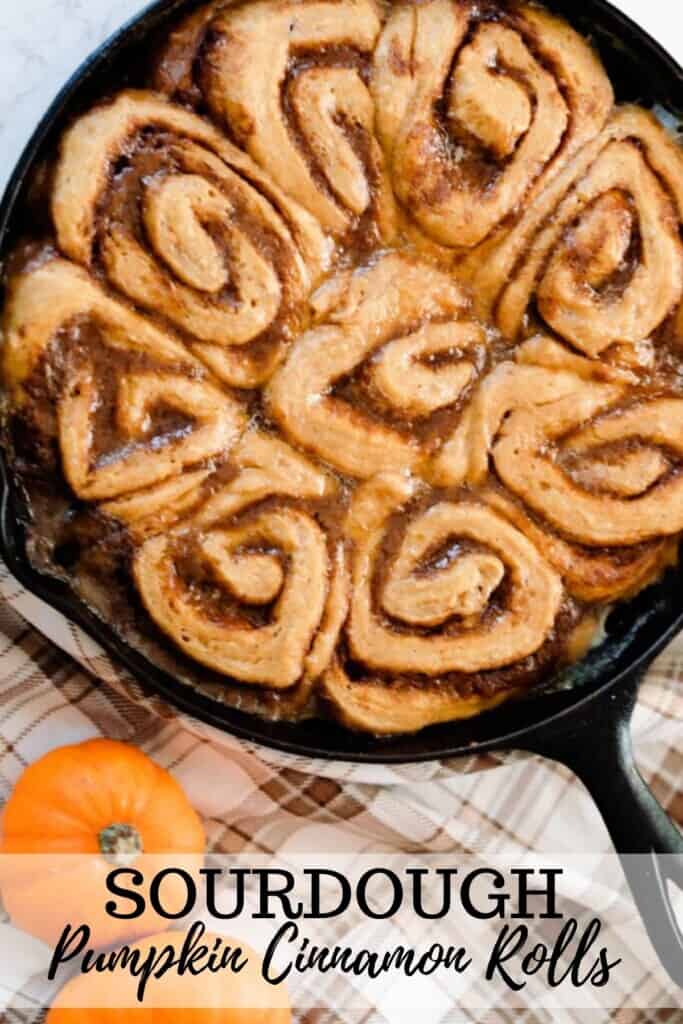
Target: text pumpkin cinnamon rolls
x=347, y=376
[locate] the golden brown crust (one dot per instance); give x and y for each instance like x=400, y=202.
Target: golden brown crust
x=289, y=80
x=351, y=378
x=464, y=588
x=477, y=116
x=189, y=228
x=614, y=212
x=403, y=608
x=388, y=318
x=278, y=556
x=637, y=500
x=52, y=298
x=370, y=706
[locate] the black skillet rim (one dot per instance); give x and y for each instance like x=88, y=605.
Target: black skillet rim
x=518, y=720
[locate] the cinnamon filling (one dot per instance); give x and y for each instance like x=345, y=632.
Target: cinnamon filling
x=344, y=376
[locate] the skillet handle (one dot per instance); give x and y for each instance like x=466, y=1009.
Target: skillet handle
x=598, y=749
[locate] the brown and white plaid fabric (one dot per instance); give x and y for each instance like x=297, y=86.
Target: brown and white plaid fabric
x=259, y=802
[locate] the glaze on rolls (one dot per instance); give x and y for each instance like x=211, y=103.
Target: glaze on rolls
x=477, y=110
x=251, y=585
x=383, y=329
x=526, y=424
x=171, y=214
x=444, y=593
x=290, y=82
x=131, y=406
x=599, y=254
x=598, y=502
x=345, y=375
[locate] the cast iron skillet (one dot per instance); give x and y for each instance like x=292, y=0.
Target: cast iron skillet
x=581, y=721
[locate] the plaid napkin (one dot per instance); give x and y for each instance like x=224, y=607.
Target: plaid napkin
x=260, y=802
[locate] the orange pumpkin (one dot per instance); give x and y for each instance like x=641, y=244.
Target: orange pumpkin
x=110, y=801
x=224, y=997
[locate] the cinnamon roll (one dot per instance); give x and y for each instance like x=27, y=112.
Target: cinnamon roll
x=604, y=472
x=445, y=592
x=154, y=509
x=133, y=408
x=161, y=205
x=290, y=82
x=390, y=336
x=544, y=379
x=344, y=374
x=599, y=255
x=479, y=108
x=251, y=585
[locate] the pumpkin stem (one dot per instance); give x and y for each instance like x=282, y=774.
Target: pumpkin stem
x=120, y=844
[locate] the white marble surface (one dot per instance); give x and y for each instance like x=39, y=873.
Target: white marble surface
x=43, y=41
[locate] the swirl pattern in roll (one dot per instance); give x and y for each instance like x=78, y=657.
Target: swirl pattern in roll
x=251, y=585
x=344, y=370
x=477, y=110
x=179, y=220
x=600, y=253
x=443, y=589
x=634, y=499
x=527, y=422
x=290, y=81
x=133, y=408
x=384, y=328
